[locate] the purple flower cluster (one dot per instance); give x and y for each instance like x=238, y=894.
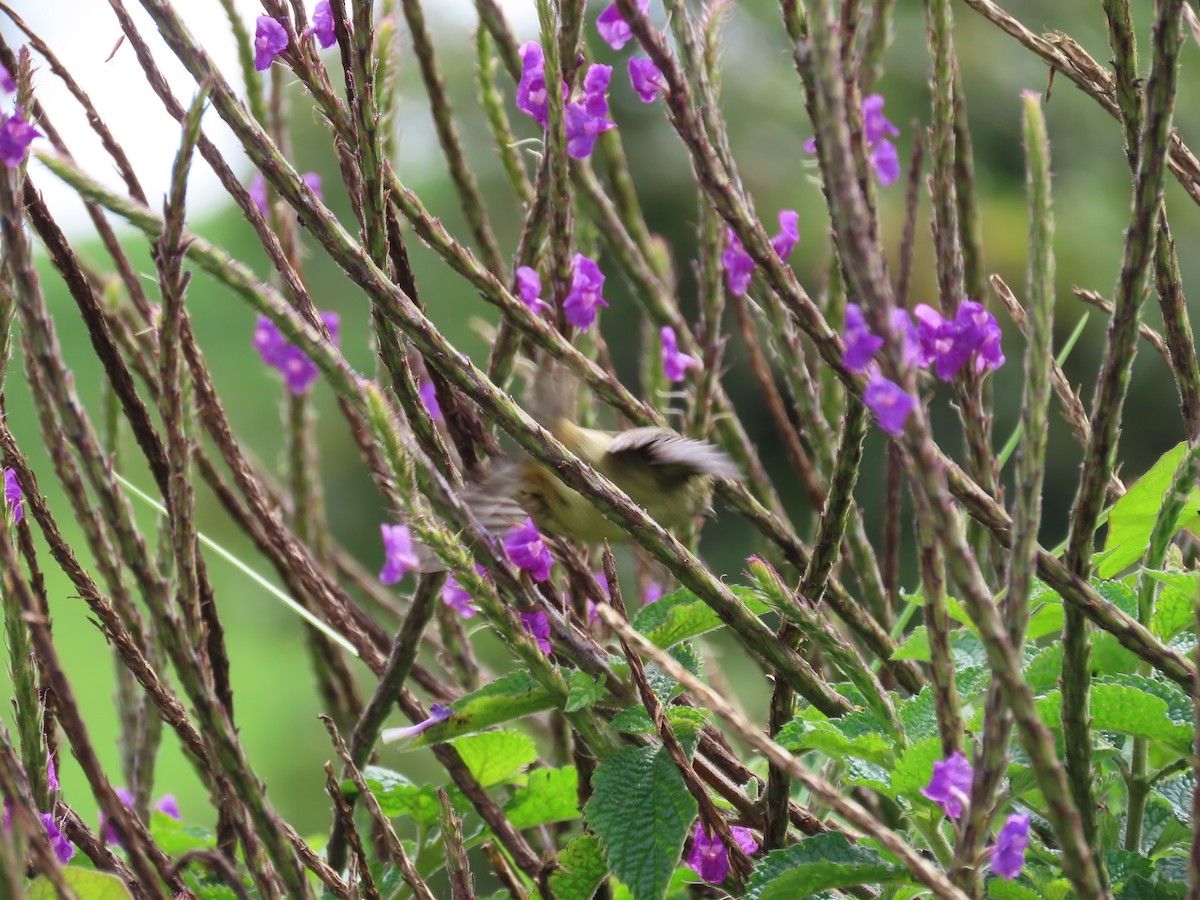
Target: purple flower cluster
x=16, y=134
x=675, y=363
x=322, y=25
x=586, y=294
x=270, y=39
x=13, y=496
x=527, y=550
x=739, y=267
x=455, y=596
x=529, y=287
x=585, y=118
x=709, y=857
x=950, y=788
x=882, y=154
x=400, y=556
x=537, y=624
x=299, y=372
x=946, y=344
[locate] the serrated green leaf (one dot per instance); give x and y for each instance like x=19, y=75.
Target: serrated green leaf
x=914, y=768
x=1123, y=865
x=1175, y=609
x=550, y=795
x=584, y=690
x=1043, y=671
x=1178, y=792
x=798, y=735
x=1133, y=516
x=642, y=812
x=177, y=839
x=681, y=615
x=88, y=884
x=509, y=697
x=398, y=796
x=1171, y=869
x=999, y=889
x=915, y=646
x=1124, y=710
x=818, y=863
x=496, y=757
x=1139, y=887
x=581, y=869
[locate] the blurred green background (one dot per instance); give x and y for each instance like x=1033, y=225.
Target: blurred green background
x=763, y=104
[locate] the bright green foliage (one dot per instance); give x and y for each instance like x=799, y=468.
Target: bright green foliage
x=642, y=812
x=496, y=757
x=681, y=615
x=819, y=863
x=585, y=691
x=398, y=796
x=550, y=795
x=509, y=697
x=88, y=884
x=1125, y=710
x=582, y=868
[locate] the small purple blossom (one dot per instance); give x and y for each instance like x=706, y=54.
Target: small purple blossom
x=399, y=554
x=595, y=90
x=789, y=233
x=1008, y=856
x=582, y=130
x=586, y=294
x=169, y=806
x=709, y=857
x=15, y=500
x=739, y=267
x=299, y=372
x=258, y=193
x=890, y=404
x=16, y=135
x=313, y=180
x=531, y=92
x=438, y=712
x=455, y=596
x=529, y=288
x=322, y=25
x=52, y=776
x=906, y=331
x=527, y=550
x=647, y=79
x=861, y=343
x=675, y=363
x=429, y=397
x=950, y=343
x=885, y=160
x=881, y=152
x=58, y=842
x=537, y=624
x=653, y=593
x=613, y=27
x=875, y=125
x=106, y=830
x=950, y=786
x=6, y=81
x=270, y=39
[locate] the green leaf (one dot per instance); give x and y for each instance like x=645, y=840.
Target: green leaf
x=398, y=796
x=509, y=697
x=495, y=757
x=1178, y=792
x=999, y=889
x=583, y=691
x=88, y=884
x=1132, y=517
x=635, y=720
x=915, y=646
x=550, y=795
x=818, y=863
x=1124, y=710
x=1175, y=610
x=176, y=839
x=798, y=736
x=581, y=869
x=642, y=811
x=1139, y=887
x=914, y=768
x=681, y=615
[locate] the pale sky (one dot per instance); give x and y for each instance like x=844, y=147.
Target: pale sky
x=82, y=33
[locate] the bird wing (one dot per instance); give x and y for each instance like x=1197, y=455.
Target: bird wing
x=663, y=447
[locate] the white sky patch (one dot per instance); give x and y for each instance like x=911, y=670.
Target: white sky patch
x=85, y=37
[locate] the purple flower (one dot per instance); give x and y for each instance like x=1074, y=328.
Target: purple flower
x=890, y=404
x=739, y=267
x=646, y=78
x=527, y=550
x=595, y=90
x=531, y=92
x=949, y=344
x=652, y=594
x=15, y=137
x=885, y=160
x=299, y=372
x=709, y=857
x=1008, y=856
x=322, y=25
x=537, y=624
x=582, y=129
x=587, y=284
x=429, y=397
x=455, y=596
x=861, y=343
x=675, y=364
x=58, y=842
x=106, y=830
x=52, y=775
x=313, y=180
x=14, y=498
x=258, y=193
x=875, y=125
x=789, y=233
x=270, y=39
x=438, y=712
x=529, y=287
x=613, y=27
x=6, y=81
x=399, y=553
x=169, y=806
x=910, y=343
x=950, y=786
